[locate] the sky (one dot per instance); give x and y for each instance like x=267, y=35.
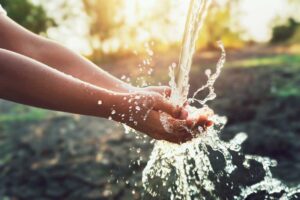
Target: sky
x=256, y=17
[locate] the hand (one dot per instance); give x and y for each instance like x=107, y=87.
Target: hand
x=136, y=106
x=165, y=91
x=145, y=110
x=199, y=117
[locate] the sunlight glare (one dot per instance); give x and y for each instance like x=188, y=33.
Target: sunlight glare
x=257, y=17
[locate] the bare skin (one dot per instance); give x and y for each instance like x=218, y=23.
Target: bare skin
x=38, y=72
x=17, y=39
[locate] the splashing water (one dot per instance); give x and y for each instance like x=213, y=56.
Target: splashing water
x=197, y=13
x=207, y=167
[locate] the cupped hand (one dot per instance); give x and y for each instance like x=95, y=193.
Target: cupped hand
x=137, y=105
x=149, y=111
x=162, y=126
x=199, y=117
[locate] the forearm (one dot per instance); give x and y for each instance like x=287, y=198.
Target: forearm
x=71, y=63
x=17, y=39
x=25, y=81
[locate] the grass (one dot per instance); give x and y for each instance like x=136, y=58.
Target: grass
x=20, y=113
x=286, y=87
x=291, y=61
x=283, y=87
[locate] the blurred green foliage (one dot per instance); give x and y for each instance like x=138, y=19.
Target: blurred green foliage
x=291, y=61
x=287, y=88
x=296, y=37
x=218, y=26
x=21, y=113
x=284, y=32
x=28, y=15
x=284, y=70
x=103, y=23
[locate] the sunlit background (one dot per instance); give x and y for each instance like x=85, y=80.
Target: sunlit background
x=52, y=155
x=85, y=25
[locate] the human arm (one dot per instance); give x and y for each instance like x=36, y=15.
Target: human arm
x=17, y=39
x=26, y=81
x=29, y=82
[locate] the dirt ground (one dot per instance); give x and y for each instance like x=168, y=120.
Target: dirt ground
x=60, y=156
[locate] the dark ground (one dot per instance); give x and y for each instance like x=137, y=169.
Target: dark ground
x=49, y=155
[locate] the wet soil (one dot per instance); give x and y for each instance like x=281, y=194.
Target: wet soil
x=74, y=157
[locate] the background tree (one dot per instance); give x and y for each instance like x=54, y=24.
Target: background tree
x=104, y=21
x=284, y=32
x=32, y=17
x=287, y=30
x=221, y=25
x=108, y=20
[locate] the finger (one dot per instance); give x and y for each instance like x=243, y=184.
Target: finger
x=163, y=105
x=180, y=134
x=209, y=123
x=204, y=123
x=163, y=90
x=202, y=120
x=177, y=131
x=187, y=103
x=184, y=114
x=190, y=123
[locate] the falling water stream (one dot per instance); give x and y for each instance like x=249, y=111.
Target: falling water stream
x=207, y=167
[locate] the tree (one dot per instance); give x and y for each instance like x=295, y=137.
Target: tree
x=283, y=33
x=28, y=15
x=104, y=21
x=221, y=25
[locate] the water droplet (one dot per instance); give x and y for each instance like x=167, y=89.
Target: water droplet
x=150, y=53
x=208, y=72
x=150, y=71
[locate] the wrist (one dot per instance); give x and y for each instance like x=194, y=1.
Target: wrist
x=117, y=107
x=123, y=109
